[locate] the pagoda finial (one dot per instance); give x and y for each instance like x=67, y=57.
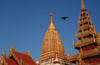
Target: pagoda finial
x=82, y=5
x=51, y=23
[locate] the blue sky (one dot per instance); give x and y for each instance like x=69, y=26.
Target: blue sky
x=23, y=23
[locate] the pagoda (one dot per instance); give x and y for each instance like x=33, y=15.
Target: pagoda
x=52, y=45
x=88, y=42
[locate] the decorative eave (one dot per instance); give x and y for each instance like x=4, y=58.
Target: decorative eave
x=86, y=42
x=85, y=27
x=80, y=18
x=84, y=12
x=84, y=21
x=84, y=54
x=51, y=54
x=86, y=33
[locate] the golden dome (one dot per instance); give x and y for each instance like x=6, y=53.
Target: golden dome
x=52, y=42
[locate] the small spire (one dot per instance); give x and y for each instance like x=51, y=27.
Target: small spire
x=56, y=57
x=3, y=54
x=51, y=23
x=67, y=53
x=56, y=61
x=73, y=41
x=10, y=48
x=82, y=5
x=28, y=52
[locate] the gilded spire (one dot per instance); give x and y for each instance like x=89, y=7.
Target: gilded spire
x=52, y=42
x=82, y=5
x=51, y=23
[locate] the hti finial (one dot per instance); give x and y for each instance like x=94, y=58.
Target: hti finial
x=50, y=14
x=51, y=23
x=82, y=5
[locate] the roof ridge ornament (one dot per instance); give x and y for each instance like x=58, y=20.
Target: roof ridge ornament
x=82, y=5
x=3, y=53
x=11, y=50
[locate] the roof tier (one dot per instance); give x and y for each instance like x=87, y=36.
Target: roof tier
x=84, y=54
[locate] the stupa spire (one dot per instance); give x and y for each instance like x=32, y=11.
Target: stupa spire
x=51, y=23
x=82, y=5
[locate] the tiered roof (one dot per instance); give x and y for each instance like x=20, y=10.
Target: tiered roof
x=89, y=41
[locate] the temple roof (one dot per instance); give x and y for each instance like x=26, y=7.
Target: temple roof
x=17, y=58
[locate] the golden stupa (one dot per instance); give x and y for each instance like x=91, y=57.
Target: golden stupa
x=52, y=43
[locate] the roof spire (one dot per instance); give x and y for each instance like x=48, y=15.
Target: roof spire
x=51, y=23
x=82, y=5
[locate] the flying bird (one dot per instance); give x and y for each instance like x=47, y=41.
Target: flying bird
x=64, y=18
